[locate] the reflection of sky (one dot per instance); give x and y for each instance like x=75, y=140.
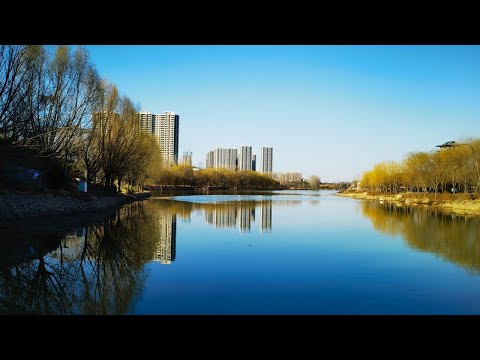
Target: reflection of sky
x=330, y=256
x=319, y=259
x=275, y=196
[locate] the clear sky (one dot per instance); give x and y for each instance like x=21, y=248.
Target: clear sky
x=331, y=111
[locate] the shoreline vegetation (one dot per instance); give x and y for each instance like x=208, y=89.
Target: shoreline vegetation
x=458, y=204
x=447, y=179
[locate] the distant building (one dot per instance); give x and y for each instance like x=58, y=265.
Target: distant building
x=221, y=158
x=254, y=162
x=210, y=159
x=146, y=121
x=287, y=177
x=245, y=158
x=102, y=121
x=187, y=158
x=166, y=131
x=267, y=160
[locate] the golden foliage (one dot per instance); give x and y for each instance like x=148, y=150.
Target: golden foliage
x=437, y=171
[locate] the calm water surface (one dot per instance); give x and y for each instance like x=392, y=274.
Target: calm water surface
x=296, y=252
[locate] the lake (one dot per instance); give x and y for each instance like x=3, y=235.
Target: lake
x=285, y=252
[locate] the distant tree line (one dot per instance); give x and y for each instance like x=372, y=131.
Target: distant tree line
x=456, y=168
x=184, y=175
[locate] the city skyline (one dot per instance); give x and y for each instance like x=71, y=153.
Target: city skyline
x=331, y=111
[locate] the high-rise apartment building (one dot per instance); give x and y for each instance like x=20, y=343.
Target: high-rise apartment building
x=221, y=158
x=187, y=158
x=103, y=121
x=225, y=159
x=166, y=131
x=254, y=162
x=210, y=159
x=267, y=159
x=245, y=158
x=146, y=121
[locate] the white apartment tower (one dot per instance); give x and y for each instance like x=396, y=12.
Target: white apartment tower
x=225, y=158
x=166, y=129
x=245, y=158
x=221, y=158
x=210, y=159
x=267, y=158
x=146, y=121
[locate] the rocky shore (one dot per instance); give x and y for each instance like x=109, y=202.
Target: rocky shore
x=456, y=206
x=20, y=205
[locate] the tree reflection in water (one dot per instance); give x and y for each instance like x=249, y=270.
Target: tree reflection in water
x=452, y=237
x=98, y=272
x=97, y=266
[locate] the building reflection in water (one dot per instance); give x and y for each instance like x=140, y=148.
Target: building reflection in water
x=238, y=214
x=266, y=215
x=222, y=216
x=247, y=216
x=166, y=237
x=94, y=263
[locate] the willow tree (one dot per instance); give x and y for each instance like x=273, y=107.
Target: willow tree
x=417, y=169
x=14, y=62
x=144, y=161
x=89, y=154
x=63, y=87
x=472, y=149
x=125, y=152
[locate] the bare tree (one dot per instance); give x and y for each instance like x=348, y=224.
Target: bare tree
x=63, y=87
x=14, y=62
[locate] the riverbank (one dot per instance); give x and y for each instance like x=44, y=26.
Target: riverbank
x=16, y=205
x=459, y=204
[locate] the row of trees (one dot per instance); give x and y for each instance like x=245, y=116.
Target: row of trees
x=184, y=175
x=437, y=171
x=47, y=97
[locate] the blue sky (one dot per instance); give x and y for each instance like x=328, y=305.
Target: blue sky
x=332, y=111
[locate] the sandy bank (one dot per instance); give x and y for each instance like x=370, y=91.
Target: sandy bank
x=455, y=206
